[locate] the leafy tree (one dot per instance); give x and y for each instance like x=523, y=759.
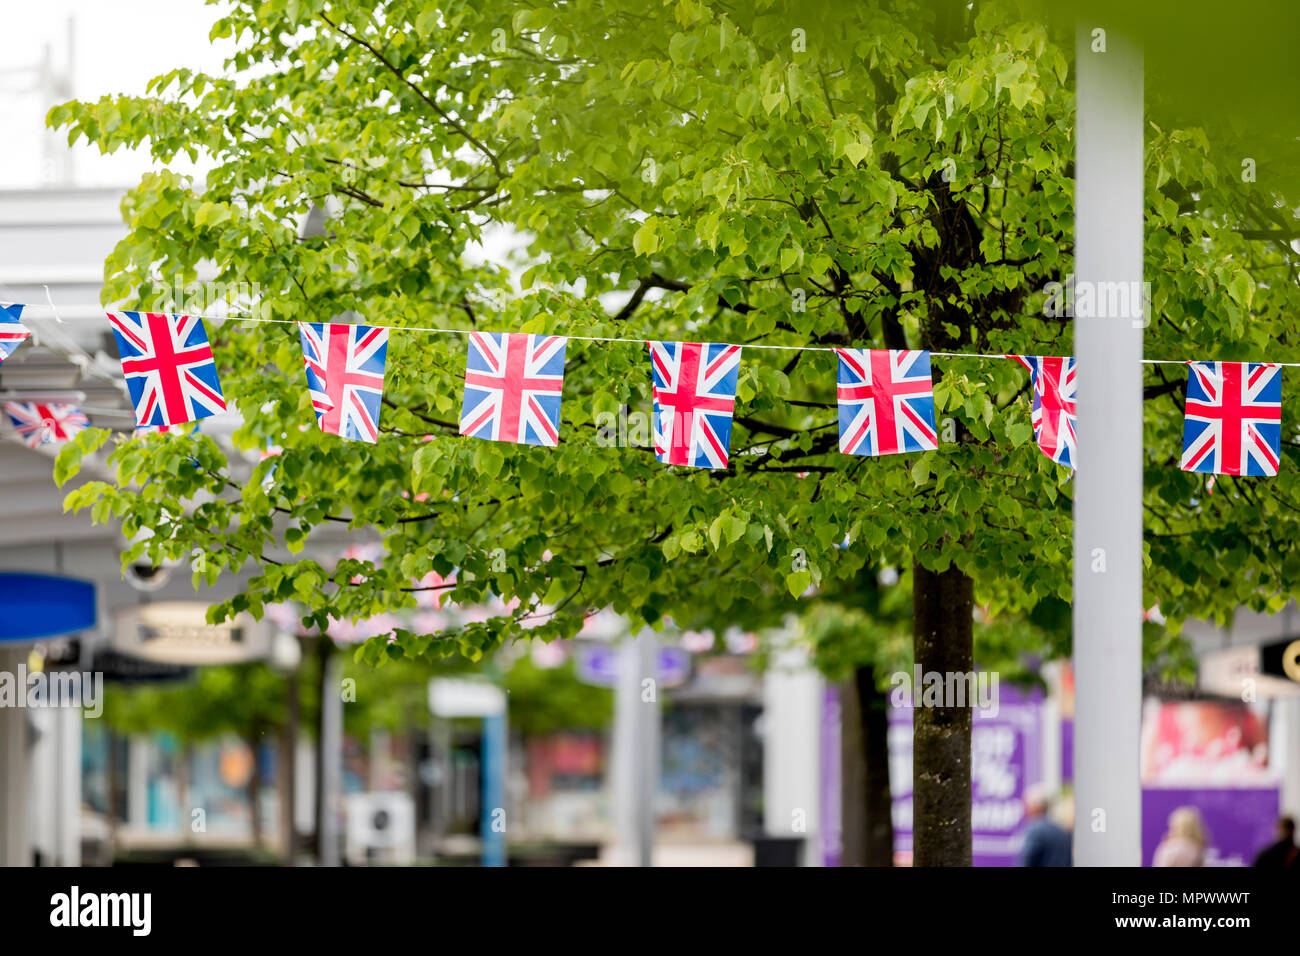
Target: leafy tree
x=894, y=173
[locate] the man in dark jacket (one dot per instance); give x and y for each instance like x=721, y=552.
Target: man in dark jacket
x=1284, y=852
x=1046, y=842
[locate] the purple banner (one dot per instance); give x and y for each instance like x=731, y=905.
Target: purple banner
x=1239, y=821
x=1067, y=750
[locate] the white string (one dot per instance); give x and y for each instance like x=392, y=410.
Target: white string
x=50, y=300
x=586, y=338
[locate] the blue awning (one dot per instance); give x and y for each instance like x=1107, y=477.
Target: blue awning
x=37, y=606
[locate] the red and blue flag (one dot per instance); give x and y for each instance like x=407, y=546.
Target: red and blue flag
x=1053, y=384
x=1232, y=422
x=694, y=397
x=886, y=402
x=41, y=423
x=12, y=332
x=513, y=386
x=345, y=376
x=169, y=368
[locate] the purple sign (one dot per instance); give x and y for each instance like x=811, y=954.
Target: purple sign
x=598, y=664
x=1006, y=758
x=1067, y=750
x=1239, y=821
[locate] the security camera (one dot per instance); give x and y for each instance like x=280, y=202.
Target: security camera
x=147, y=576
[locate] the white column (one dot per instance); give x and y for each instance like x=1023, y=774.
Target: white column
x=304, y=785
x=1284, y=751
x=791, y=748
x=1050, y=717
x=635, y=761
x=139, y=749
x=42, y=785
x=332, y=752
x=67, y=787
x=1108, y=483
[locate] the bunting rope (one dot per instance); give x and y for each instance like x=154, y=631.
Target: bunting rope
x=514, y=383
x=579, y=338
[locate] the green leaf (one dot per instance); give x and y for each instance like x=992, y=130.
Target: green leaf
x=68, y=462
x=797, y=582
x=1242, y=289
x=1021, y=94
x=1019, y=433
x=646, y=239
x=921, y=470
x=857, y=152
x=211, y=214
x=488, y=459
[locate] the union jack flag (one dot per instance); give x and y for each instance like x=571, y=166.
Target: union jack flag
x=169, y=368
x=12, y=332
x=886, y=402
x=1053, y=383
x=513, y=384
x=39, y=423
x=345, y=375
x=1232, y=424
x=694, y=396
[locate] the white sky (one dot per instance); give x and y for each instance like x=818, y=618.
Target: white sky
x=119, y=45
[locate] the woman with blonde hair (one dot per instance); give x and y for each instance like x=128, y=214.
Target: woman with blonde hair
x=1184, y=844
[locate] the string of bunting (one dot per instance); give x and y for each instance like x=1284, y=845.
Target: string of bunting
x=514, y=383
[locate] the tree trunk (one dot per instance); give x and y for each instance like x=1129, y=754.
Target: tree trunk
x=943, y=643
x=867, y=829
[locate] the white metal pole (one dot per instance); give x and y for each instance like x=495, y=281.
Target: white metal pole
x=332, y=754
x=1108, y=483
x=647, y=756
x=68, y=790
x=635, y=760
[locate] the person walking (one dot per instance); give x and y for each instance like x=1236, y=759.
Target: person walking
x=1046, y=842
x=1184, y=843
x=1283, y=852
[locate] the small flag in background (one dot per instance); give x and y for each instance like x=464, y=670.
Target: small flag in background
x=39, y=423
x=169, y=368
x=513, y=385
x=694, y=397
x=1052, y=381
x=886, y=401
x=12, y=332
x=345, y=374
x=1232, y=423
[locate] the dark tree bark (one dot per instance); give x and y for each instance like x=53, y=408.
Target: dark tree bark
x=943, y=642
x=867, y=829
